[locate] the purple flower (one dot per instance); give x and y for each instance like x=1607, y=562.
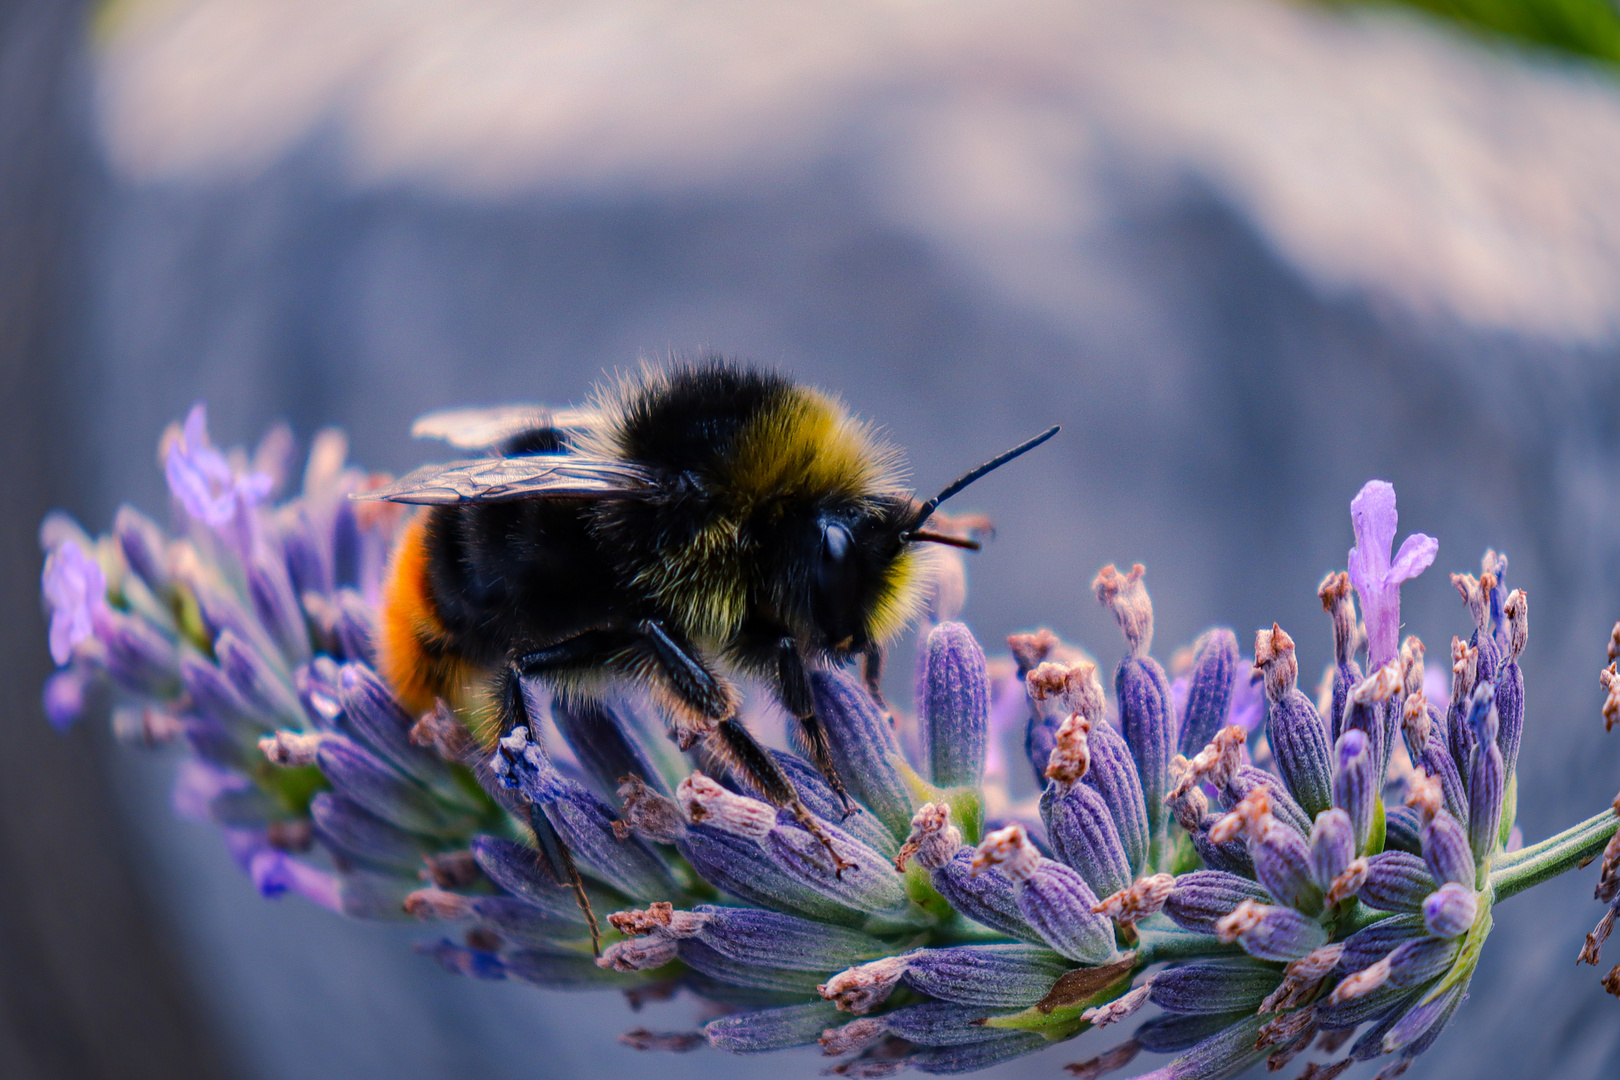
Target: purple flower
x=76, y=589
x=202, y=479
x=1376, y=578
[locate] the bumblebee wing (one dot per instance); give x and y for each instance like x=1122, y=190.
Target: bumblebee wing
x=483, y=429
x=497, y=479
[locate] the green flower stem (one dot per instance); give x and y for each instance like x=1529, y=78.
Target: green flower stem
x=1520, y=870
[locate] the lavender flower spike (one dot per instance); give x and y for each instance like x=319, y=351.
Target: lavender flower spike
x=1376, y=577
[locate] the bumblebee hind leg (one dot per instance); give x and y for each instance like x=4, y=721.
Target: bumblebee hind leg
x=553, y=850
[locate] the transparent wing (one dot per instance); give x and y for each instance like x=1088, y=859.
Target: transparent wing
x=483, y=429
x=495, y=479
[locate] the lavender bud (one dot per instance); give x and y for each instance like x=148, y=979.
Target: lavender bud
x=1486, y=777
x=1209, y=688
x=1449, y=911
x=605, y=742
x=943, y=1023
x=1296, y=733
x=264, y=689
x=1248, y=779
x=1057, y=692
x=1372, y=943
x=822, y=801
x=364, y=779
x=988, y=976
x=308, y=563
x=1420, y=960
x=374, y=714
x=1464, y=676
x=270, y=591
x=1231, y=856
x=1396, y=881
x=1510, y=680
x=1204, y=897
x=1113, y=776
x=868, y=884
x=1147, y=721
x=1401, y=830
x=520, y=870
x=1422, y=1019
x=144, y=547
x=1282, y=862
x=1334, y=592
x=988, y=897
x=861, y=989
x=1083, y=836
x=863, y=746
x=355, y=627
x=583, y=820
x=1446, y=851
x=953, y=705
x=512, y=920
x=700, y=956
x=1354, y=785
x=1053, y=899
x=1434, y=758
x=1333, y=846
x=770, y=939
x=348, y=830
x=1214, y=986
x=1269, y=932
x=139, y=657
x=1226, y=1053
x=771, y=1029
x=1352, y=1012
x=739, y=866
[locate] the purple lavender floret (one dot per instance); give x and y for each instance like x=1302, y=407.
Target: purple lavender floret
x=1375, y=575
x=247, y=637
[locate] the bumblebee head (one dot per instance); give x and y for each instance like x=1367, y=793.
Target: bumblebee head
x=866, y=568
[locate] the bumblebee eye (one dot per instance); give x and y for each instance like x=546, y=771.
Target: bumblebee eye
x=837, y=583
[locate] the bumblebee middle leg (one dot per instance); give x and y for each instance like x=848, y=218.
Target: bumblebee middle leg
x=793, y=688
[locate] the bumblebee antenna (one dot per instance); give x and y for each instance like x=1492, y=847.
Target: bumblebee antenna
x=924, y=536
x=927, y=509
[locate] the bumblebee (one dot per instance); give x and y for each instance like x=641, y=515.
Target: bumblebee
x=705, y=519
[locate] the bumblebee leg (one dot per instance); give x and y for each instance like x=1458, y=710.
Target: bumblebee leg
x=553, y=851
x=691, y=679
x=744, y=753
x=872, y=669
x=793, y=688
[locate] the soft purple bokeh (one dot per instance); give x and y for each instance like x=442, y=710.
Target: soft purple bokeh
x=1376, y=578
x=76, y=589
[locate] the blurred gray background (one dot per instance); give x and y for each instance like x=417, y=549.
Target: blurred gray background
x=1249, y=254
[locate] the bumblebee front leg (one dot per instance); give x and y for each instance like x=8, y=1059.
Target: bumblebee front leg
x=554, y=851
x=793, y=689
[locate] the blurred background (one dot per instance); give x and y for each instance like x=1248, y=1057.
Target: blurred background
x=1249, y=253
